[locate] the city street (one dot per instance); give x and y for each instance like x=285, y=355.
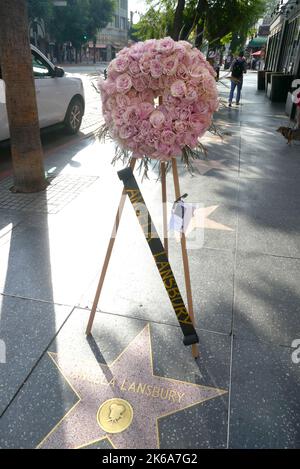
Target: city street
x=243, y=391
x=53, y=137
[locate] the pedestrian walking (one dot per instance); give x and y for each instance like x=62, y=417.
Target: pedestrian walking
x=238, y=68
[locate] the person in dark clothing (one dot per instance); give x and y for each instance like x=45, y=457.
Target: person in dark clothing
x=238, y=68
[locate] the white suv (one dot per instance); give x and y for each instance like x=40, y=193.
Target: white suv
x=60, y=98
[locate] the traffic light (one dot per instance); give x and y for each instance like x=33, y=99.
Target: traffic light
x=84, y=36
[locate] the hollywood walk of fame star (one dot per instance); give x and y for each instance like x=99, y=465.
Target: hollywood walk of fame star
x=200, y=220
x=130, y=377
x=204, y=166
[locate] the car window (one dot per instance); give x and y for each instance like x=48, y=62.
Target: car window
x=40, y=68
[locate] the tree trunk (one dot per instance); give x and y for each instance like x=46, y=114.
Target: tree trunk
x=178, y=20
x=198, y=22
x=199, y=34
x=16, y=65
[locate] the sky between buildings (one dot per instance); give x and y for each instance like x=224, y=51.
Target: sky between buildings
x=136, y=6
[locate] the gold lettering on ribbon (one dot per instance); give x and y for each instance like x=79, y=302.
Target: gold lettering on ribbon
x=160, y=258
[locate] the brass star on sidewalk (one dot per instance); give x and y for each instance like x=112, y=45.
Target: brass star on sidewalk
x=121, y=402
x=200, y=220
x=204, y=166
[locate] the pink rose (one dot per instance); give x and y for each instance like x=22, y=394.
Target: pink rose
x=186, y=45
x=136, y=51
x=126, y=131
x=162, y=148
x=154, y=84
x=170, y=64
x=145, y=128
x=169, y=100
x=199, y=126
x=201, y=109
x=180, y=126
x=168, y=137
x=120, y=64
x=147, y=96
x=118, y=115
x=107, y=87
x=185, y=113
x=150, y=45
x=132, y=94
x=132, y=145
x=131, y=116
x=180, y=51
x=122, y=101
x=178, y=89
x=197, y=73
x=191, y=139
x=156, y=68
x=153, y=137
x=167, y=112
x=123, y=51
x=157, y=119
x=145, y=109
x=191, y=94
x=165, y=46
x=123, y=83
x=197, y=58
x=134, y=67
x=145, y=63
x=110, y=103
x=139, y=138
x=139, y=84
x=182, y=72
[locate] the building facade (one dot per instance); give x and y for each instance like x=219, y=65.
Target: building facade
x=283, y=52
x=115, y=36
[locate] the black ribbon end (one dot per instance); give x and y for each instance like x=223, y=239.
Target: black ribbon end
x=125, y=174
x=191, y=339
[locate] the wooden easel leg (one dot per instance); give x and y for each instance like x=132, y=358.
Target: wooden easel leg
x=164, y=204
x=108, y=255
x=195, y=350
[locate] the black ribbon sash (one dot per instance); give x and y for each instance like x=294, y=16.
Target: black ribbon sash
x=159, y=254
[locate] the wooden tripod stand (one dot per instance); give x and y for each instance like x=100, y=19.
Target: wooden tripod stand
x=195, y=351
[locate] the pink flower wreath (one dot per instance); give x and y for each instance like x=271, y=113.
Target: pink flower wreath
x=159, y=98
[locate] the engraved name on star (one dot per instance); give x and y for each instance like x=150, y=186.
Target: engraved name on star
x=130, y=377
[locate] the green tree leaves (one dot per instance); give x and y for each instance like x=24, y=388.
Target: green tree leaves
x=212, y=19
x=77, y=22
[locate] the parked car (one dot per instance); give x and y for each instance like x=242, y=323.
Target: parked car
x=60, y=98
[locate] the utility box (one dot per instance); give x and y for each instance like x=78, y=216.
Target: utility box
x=279, y=87
x=261, y=80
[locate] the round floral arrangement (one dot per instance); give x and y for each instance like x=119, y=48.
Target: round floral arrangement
x=159, y=98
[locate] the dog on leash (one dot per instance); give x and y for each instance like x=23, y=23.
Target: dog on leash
x=289, y=133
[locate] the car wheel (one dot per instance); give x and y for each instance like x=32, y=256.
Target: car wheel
x=74, y=116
